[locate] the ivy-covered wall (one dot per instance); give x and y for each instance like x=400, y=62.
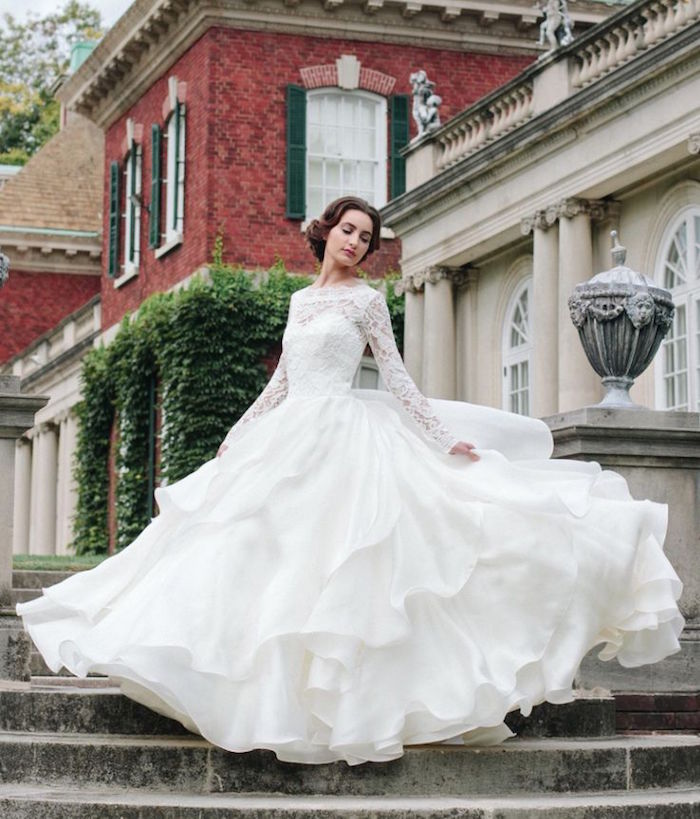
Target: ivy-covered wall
x=199, y=352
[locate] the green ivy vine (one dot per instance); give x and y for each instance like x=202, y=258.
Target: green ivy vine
x=200, y=350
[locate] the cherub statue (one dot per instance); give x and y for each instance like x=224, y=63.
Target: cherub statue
x=556, y=26
x=425, y=103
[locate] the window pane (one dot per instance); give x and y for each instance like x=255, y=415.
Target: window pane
x=342, y=136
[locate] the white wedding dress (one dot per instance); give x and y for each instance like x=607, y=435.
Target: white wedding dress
x=337, y=586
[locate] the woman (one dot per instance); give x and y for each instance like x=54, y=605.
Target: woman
x=349, y=576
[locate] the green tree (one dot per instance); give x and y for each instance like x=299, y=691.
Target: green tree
x=34, y=54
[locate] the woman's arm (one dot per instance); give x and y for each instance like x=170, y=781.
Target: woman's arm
x=274, y=393
x=381, y=340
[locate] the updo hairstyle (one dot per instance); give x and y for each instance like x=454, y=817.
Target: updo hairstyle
x=318, y=229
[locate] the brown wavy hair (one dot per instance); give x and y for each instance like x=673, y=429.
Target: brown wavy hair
x=318, y=229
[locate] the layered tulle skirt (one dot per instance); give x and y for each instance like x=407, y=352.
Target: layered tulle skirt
x=335, y=587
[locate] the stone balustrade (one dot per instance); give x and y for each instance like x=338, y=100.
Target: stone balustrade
x=554, y=77
x=483, y=123
x=623, y=38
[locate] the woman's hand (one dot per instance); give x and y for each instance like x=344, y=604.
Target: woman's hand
x=221, y=451
x=463, y=448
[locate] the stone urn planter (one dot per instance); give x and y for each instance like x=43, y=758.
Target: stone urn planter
x=621, y=318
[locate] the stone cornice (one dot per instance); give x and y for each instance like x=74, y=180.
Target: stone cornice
x=544, y=132
x=152, y=34
x=51, y=253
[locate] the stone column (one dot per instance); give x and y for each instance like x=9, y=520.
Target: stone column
x=67, y=491
x=413, y=328
x=466, y=333
x=438, y=335
x=578, y=384
x=42, y=539
x=545, y=311
x=23, y=493
x=16, y=416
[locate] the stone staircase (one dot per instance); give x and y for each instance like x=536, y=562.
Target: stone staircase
x=77, y=749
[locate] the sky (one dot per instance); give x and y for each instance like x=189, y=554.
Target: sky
x=111, y=10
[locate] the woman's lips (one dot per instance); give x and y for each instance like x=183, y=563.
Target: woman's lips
x=349, y=252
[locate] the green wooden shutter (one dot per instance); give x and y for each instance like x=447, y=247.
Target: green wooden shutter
x=399, y=138
x=156, y=184
x=114, y=218
x=178, y=158
x=130, y=206
x=296, y=152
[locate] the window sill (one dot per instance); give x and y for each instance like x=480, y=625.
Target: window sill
x=384, y=232
x=172, y=243
x=130, y=272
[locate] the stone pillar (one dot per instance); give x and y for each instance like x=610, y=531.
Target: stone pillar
x=67, y=491
x=16, y=416
x=438, y=335
x=42, y=540
x=578, y=383
x=545, y=311
x=466, y=333
x=23, y=493
x=658, y=453
x=413, y=328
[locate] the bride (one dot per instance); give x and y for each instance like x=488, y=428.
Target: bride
x=361, y=570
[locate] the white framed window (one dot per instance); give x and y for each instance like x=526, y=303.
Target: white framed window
x=678, y=270
x=517, y=351
x=346, y=147
x=132, y=209
x=175, y=175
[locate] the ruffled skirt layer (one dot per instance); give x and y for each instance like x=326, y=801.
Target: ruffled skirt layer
x=335, y=587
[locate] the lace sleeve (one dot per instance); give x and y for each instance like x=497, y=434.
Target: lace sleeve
x=274, y=393
x=381, y=340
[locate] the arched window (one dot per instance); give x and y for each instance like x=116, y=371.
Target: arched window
x=346, y=147
x=517, y=351
x=678, y=270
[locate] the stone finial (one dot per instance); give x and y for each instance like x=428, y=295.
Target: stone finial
x=425, y=103
x=556, y=27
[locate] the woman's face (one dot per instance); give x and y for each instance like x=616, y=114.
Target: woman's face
x=348, y=241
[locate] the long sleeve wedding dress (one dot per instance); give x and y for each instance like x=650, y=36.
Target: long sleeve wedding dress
x=336, y=585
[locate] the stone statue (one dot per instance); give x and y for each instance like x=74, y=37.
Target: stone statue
x=425, y=103
x=4, y=268
x=556, y=26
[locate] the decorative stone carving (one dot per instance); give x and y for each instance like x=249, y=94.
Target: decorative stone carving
x=4, y=268
x=621, y=318
x=425, y=103
x=556, y=26
x=694, y=144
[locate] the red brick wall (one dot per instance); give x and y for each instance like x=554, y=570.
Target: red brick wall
x=236, y=145
x=32, y=303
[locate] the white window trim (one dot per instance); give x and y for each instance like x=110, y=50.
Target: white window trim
x=174, y=190
x=381, y=135
x=511, y=356
x=132, y=201
x=687, y=295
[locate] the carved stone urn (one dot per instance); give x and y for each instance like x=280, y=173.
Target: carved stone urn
x=621, y=318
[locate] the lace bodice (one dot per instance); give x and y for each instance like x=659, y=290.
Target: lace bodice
x=327, y=331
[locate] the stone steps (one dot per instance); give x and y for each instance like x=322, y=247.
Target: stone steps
x=191, y=764
x=43, y=802
x=93, y=704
